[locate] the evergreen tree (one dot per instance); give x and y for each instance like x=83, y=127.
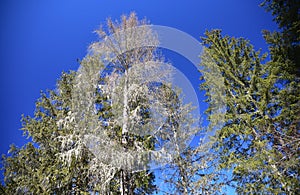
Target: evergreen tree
x=284, y=44
x=260, y=138
x=37, y=167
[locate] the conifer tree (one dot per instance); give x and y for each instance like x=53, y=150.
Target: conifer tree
x=260, y=138
x=284, y=43
x=36, y=167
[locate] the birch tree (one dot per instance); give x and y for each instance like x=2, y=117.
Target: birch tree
x=70, y=120
x=120, y=68
x=107, y=125
x=134, y=133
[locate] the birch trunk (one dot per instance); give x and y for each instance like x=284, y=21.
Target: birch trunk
x=125, y=110
x=123, y=184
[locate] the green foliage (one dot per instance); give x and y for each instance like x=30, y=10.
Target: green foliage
x=260, y=138
x=37, y=167
x=286, y=15
x=284, y=45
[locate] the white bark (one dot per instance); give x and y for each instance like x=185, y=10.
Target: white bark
x=125, y=110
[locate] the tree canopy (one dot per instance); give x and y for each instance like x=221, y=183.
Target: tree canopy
x=260, y=139
x=105, y=125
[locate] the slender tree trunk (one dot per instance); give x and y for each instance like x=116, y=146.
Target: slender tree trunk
x=122, y=188
x=123, y=184
x=182, y=172
x=125, y=110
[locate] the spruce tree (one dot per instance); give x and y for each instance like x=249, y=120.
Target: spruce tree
x=260, y=139
x=37, y=167
x=284, y=43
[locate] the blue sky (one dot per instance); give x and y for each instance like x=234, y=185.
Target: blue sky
x=41, y=38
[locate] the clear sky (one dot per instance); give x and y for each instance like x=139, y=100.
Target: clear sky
x=41, y=38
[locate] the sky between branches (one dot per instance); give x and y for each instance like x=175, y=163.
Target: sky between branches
x=40, y=39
